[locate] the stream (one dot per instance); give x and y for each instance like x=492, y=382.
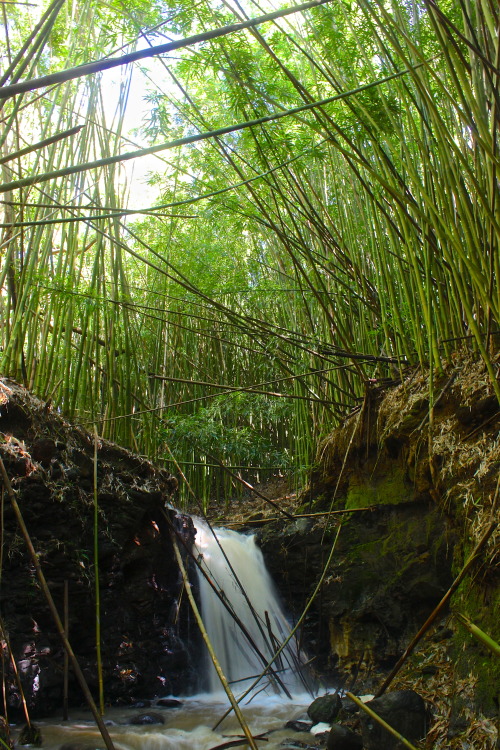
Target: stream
x=188, y=727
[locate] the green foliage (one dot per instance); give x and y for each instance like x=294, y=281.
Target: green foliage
x=237, y=429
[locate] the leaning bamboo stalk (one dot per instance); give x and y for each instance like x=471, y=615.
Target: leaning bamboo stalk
x=220, y=673
x=381, y=721
x=57, y=620
x=77, y=169
x=225, y=603
x=106, y=64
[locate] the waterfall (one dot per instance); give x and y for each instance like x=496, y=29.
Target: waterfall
x=250, y=596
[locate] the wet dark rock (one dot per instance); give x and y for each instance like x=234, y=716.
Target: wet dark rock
x=391, y=568
x=169, y=703
x=141, y=704
x=403, y=710
x=343, y=738
x=30, y=735
x=149, y=718
x=299, y=726
x=291, y=744
x=325, y=708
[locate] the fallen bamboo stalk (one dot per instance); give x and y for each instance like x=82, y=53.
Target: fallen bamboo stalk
x=220, y=673
x=438, y=609
x=57, y=620
x=251, y=521
x=380, y=721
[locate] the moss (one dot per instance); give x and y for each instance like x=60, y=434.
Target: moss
x=481, y=605
x=387, y=488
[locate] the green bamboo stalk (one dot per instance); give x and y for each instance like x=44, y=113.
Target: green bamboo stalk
x=106, y=64
x=97, y=587
x=77, y=169
x=479, y=634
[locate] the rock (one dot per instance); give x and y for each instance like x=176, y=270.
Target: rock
x=30, y=735
x=325, y=708
x=299, y=726
x=169, y=703
x=149, y=718
x=342, y=738
x=404, y=710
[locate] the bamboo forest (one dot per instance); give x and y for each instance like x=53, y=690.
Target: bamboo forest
x=250, y=374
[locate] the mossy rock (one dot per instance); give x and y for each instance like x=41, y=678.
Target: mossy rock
x=390, y=488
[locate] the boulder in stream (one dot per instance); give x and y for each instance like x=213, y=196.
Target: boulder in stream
x=325, y=708
x=404, y=710
x=343, y=738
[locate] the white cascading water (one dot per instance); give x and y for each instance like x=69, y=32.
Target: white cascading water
x=238, y=658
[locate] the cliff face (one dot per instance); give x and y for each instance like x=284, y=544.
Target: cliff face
x=145, y=630
x=430, y=489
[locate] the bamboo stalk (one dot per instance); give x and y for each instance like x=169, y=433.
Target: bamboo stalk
x=106, y=64
x=110, y=160
x=479, y=634
x=66, y=658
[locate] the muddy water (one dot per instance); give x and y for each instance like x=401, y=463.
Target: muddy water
x=188, y=727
